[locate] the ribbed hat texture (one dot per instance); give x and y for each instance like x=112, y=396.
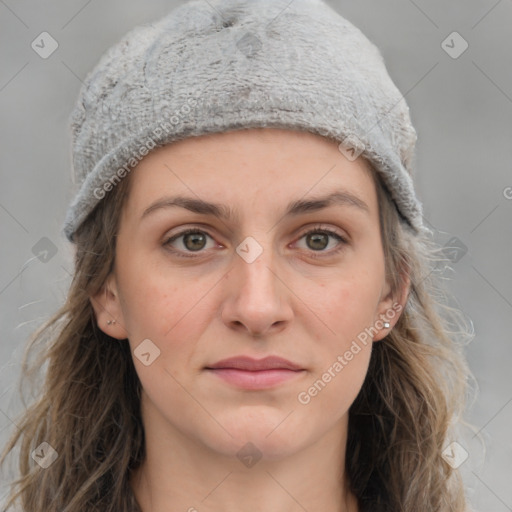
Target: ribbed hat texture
x=223, y=65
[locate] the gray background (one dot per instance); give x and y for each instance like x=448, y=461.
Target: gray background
x=461, y=108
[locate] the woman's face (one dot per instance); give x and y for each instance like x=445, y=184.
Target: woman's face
x=249, y=281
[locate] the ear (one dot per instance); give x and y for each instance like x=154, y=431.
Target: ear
x=107, y=310
x=390, y=308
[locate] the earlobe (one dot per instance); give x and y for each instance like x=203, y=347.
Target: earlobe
x=390, y=309
x=107, y=310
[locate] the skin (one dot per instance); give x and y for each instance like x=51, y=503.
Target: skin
x=215, y=305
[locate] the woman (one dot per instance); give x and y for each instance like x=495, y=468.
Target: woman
x=255, y=321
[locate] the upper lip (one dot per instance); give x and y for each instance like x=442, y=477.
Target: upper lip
x=250, y=364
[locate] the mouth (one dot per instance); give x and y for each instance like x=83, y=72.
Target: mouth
x=247, y=373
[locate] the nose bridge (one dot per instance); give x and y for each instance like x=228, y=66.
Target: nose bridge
x=256, y=299
x=255, y=266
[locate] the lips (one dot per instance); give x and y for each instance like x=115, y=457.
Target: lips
x=255, y=374
x=254, y=365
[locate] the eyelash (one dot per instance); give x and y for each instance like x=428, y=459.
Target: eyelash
x=315, y=229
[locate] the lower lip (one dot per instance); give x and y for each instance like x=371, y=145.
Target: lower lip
x=255, y=380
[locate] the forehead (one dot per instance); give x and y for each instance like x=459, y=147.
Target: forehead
x=235, y=167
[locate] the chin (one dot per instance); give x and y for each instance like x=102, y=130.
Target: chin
x=257, y=446
x=265, y=429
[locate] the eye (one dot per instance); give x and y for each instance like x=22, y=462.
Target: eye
x=194, y=240
x=317, y=239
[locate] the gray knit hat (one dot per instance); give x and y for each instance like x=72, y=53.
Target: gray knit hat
x=231, y=64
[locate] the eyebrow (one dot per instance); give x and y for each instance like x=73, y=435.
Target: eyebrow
x=224, y=212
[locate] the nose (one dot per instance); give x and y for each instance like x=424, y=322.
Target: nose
x=258, y=301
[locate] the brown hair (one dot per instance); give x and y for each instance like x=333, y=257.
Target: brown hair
x=88, y=408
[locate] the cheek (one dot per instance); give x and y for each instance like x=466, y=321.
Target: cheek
x=151, y=297
x=349, y=302
x=335, y=388
x=167, y=313
x=347, y=308
x=170, y=310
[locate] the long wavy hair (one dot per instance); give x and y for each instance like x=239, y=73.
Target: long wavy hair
x=88, y=407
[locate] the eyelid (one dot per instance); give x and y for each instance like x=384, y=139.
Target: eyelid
x=326, y=228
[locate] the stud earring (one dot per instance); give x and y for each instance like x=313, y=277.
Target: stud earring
x=387, y=325
x=110, y=322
